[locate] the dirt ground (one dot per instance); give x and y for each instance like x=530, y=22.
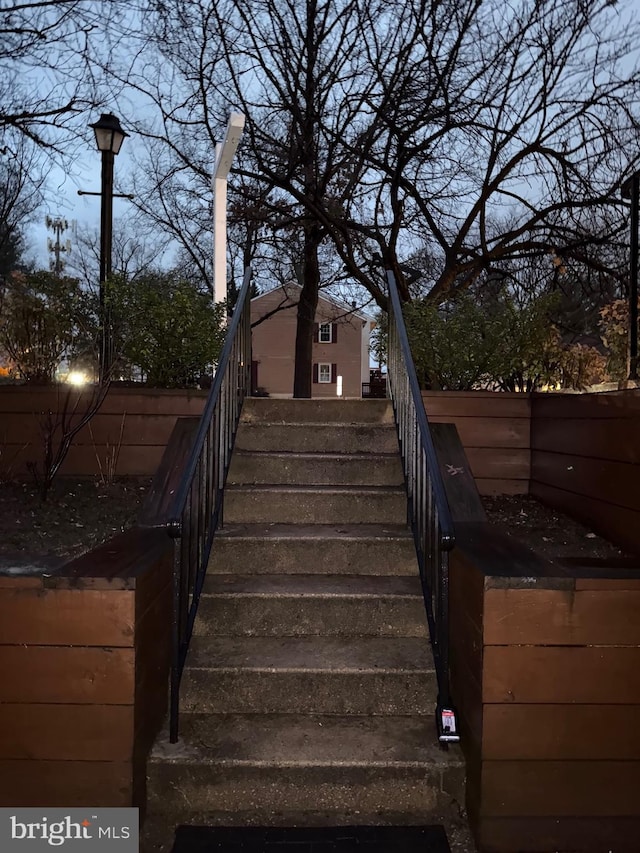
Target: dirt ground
x=77, y=516
x=552, y=534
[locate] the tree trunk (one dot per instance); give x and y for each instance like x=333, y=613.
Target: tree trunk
x=307, y=313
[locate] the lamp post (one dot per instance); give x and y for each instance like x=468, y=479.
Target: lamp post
x=631, y=190
x=109, y=138
x=225, y=152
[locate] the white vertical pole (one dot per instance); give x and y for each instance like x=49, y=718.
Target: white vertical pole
x=225, y=152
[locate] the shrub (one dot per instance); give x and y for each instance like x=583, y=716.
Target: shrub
x=469, y=344
x=167, y=328
x=44, y=318
x=614, y=328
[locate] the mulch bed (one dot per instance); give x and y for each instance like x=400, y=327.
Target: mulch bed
x=77, y=516
x=552, y=534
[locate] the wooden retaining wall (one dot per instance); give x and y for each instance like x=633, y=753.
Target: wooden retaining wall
x=545, y=677
x=84, y=661
x=586, y=460
x=132, y=427
x=495, y=431
x=494, y=428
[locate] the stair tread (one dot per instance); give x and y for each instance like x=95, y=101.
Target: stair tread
x=347, y=424
x=301, y=740
x=311, y=654
x=297, y=532
x=322, y=489
x=313, y=586
x=327, y=410
x=320, y=454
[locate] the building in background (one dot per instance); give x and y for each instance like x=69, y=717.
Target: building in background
x=340, y=347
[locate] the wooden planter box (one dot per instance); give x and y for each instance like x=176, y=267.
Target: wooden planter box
x=84, y=662
x=545, y=677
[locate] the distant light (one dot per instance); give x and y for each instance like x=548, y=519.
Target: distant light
x=339, y=386
x=77, y=378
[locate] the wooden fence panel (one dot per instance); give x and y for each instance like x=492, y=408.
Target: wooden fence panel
x=132, y=427
x=586, y=460
x=494, y=429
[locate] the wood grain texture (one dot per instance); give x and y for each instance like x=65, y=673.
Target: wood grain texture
x=66, y=674
x=66, y=732
x=561, y=788
x=159, y=499
x=548, y=617
x=130, y=558
x=610, y=404
x=561, y=732
x=153, y=658
x=497, y=432
x=536, y=834
x=561, y=675
x=497, y=555
x=620, y=525
x=57, y=617
x=599, y=438
x=499, y=463
x=462, y=492
x=603, y=480
x=156, y=401
x=490, y=404
x=65, y=784
x=149, y=418
x=113, y=429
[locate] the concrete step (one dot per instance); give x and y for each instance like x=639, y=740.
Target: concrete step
x=317, y=437
x=352, y=549
x=301, y=605
x=315, y=505
x=303, y=763
x=354, y=469
x=309, y=675
x=268, y=410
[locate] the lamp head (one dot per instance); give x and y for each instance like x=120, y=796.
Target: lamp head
x=109, y=134
x=226, y=150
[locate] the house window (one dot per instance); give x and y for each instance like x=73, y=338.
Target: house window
x=324, y=371
x=324, y=336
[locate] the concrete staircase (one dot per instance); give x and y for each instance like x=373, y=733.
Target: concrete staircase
x=309, y=691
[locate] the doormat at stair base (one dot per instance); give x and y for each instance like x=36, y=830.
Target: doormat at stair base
x=343, y=839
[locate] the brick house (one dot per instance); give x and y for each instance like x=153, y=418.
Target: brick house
x=340, y=347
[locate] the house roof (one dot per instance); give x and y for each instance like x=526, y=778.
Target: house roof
x=338, y=303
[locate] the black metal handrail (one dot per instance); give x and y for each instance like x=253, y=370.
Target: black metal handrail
x=428, y=508
x=197, y=508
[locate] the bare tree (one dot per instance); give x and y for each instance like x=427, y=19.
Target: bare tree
x=50, y=55
x=527, y=114
x=394, y=128
x=22, y=180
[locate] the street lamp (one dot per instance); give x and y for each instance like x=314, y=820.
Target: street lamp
x=631, y=190
x=225, y=152
x=109, y=138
